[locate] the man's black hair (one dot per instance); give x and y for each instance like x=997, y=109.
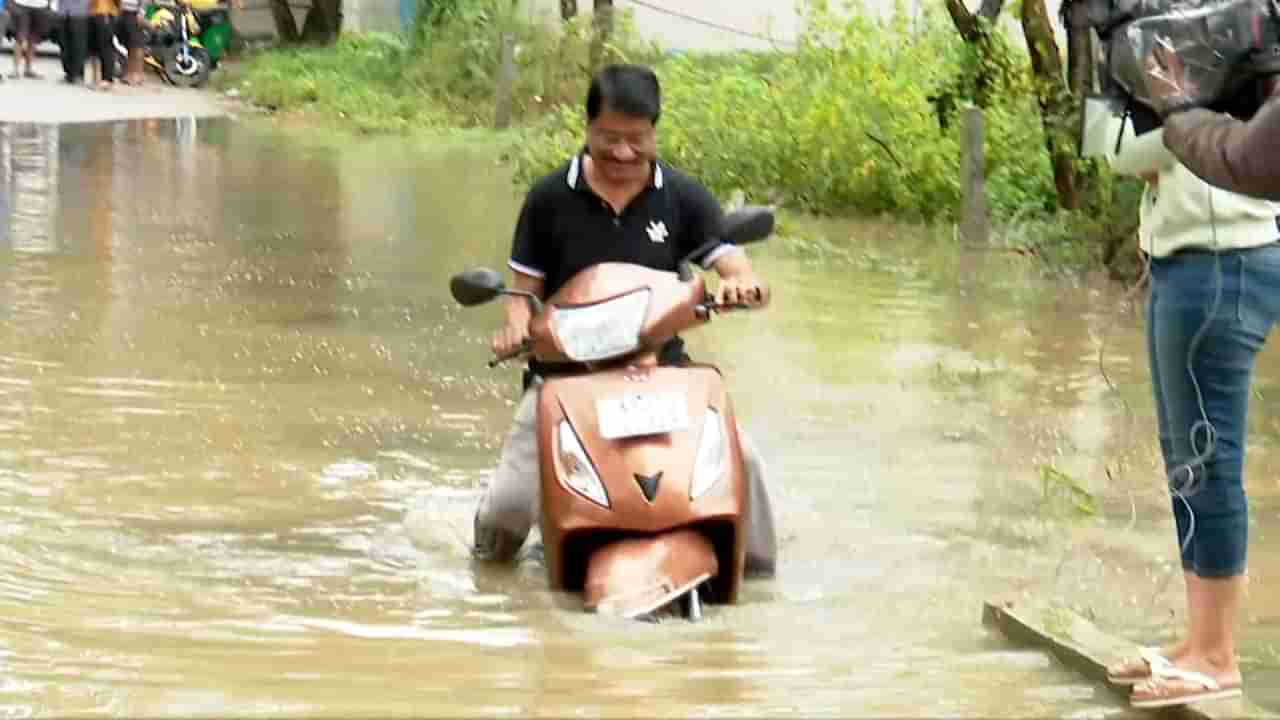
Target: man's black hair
x=626, y=89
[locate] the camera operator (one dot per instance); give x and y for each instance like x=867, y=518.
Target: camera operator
x=1214, y=259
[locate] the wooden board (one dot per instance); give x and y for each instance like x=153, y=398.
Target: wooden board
x=1081, y=646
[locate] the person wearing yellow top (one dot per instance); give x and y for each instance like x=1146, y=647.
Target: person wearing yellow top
x=102, y=25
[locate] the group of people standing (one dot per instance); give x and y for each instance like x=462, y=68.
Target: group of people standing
x=88, y=28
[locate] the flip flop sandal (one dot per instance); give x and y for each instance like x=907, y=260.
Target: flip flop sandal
x=1150, y=659
x=1196, y=687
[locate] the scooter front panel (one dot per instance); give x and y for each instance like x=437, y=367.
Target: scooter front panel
x=647, y=478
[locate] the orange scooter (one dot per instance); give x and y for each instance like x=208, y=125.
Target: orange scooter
x=644, y=493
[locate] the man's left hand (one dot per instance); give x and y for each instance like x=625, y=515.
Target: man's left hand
x=743, y=290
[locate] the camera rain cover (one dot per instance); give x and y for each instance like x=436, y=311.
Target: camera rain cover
x=1210, y=39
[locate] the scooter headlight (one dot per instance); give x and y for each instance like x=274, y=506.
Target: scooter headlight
x=709, y=465
x=576, y=469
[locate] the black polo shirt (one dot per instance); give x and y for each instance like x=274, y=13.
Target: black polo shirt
x=565, y=227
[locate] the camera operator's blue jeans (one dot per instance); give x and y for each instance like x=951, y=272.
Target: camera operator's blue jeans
x=1183, y=289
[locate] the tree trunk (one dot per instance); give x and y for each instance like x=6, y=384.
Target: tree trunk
x=286, y=25
x=323, y=22
x=976, y=226
x=1079, y=50
x=505, y=87
x=1054, y=98
x=974, y=29
x=568, y=9
x=967, y=23
x=602, y=20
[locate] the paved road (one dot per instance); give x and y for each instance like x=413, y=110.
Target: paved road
x=49, y=100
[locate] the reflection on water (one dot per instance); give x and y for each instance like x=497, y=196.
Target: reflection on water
x=243, y=426
x=29, y=161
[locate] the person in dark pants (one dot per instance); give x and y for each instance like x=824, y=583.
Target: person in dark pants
x=28, y=18
x=129, y=30
x=75, y=39
x=102, y=30
x=4, y=24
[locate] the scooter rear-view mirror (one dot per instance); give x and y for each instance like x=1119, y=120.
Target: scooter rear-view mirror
x=741, y=227
x=747, y=225
x=476, y=286
x=480, y=285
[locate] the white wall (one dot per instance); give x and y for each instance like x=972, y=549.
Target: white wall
x=777, y=19
x=726, y=24
x=707, y=25
x=371, y=15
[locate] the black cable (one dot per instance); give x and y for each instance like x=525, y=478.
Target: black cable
x=1188, y=478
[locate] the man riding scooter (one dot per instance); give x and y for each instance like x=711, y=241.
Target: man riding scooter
x=612, y=202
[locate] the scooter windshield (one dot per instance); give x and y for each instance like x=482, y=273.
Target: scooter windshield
x=603, y=330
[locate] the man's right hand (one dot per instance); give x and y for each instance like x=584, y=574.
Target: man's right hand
x=510, y=338
x=518, y=313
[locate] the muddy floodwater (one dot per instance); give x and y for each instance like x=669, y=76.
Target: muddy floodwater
x=243, y=428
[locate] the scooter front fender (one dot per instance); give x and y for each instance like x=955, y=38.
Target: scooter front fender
x=635, y=576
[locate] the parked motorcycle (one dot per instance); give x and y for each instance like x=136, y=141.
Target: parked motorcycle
x=644, y=492
x=177, y=50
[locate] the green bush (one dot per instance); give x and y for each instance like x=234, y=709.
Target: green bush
x=456, y=57
x=842, y=123
x=442, y=73
x=354, y=84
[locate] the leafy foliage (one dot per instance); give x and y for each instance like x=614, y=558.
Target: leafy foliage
x=845, y=122
x=442, y=73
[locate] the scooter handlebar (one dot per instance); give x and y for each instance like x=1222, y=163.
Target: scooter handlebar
x=704, y=310
x=523, y=348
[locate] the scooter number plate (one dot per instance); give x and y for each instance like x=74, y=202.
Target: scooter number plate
x=637, y=414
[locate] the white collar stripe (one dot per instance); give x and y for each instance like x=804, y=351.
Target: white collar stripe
x=575, y=170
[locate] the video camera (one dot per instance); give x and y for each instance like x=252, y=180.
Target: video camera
x=1223, y=46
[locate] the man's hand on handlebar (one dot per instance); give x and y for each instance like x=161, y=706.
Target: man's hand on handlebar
x=745, y=290
x=510, y=339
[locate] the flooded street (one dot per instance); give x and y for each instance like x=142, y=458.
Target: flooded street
x=243, y=428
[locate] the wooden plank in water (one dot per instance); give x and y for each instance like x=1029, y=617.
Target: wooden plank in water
x=1081, y=646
